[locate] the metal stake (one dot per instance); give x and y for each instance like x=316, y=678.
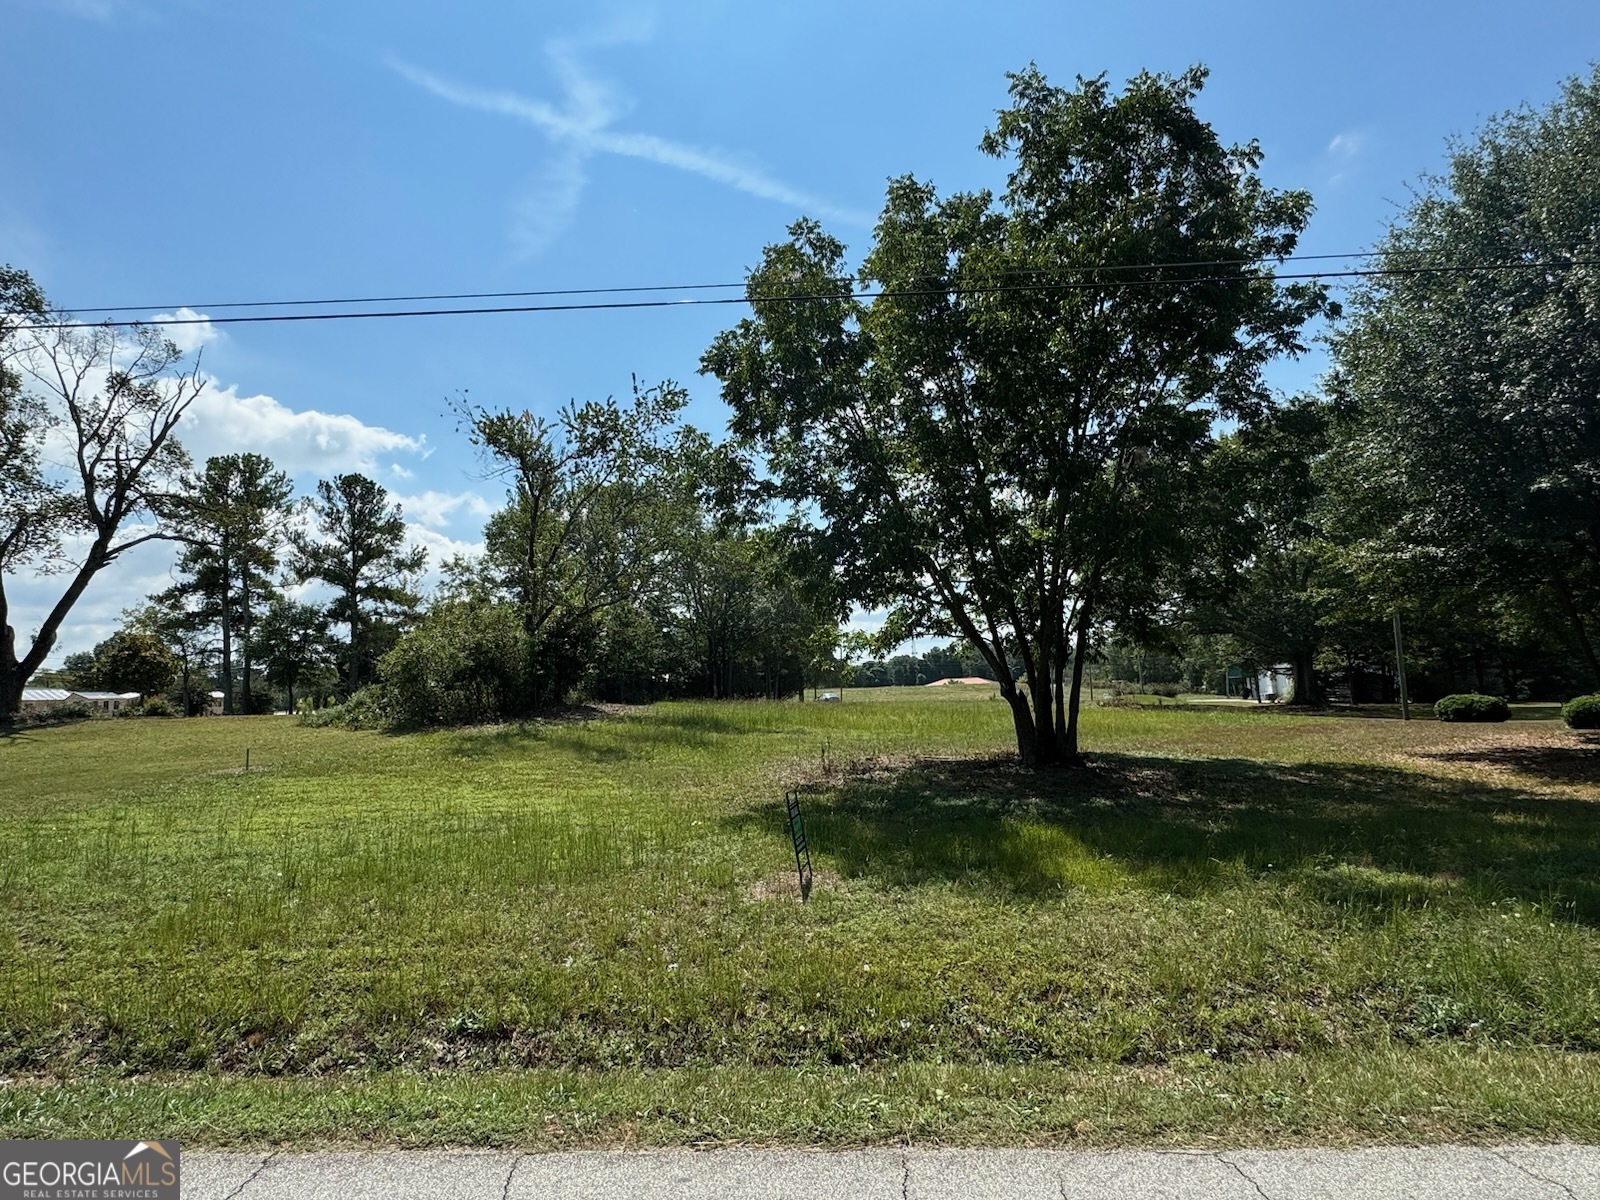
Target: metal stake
x=1400, y=666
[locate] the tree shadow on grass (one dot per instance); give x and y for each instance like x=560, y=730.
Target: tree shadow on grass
x=1356, y=835
x=1578, y=764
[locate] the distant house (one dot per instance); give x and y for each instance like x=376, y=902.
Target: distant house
x=1266, y=684
x=44, y=699
x=213, y=704
x=105, y=702
x=1275, y=683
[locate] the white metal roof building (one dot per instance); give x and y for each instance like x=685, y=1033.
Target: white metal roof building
x=45, y=695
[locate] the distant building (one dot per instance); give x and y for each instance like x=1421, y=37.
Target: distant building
x=105, y=702
x=44, y=699
x=1274, y=684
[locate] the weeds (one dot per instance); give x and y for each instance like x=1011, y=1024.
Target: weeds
x=1216, y=889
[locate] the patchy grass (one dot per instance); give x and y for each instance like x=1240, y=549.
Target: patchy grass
x=1233, y=925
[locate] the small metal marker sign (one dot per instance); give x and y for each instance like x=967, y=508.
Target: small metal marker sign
x=802, y=849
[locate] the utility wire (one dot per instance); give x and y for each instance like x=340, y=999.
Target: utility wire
x=685, y=287
x=800, y=297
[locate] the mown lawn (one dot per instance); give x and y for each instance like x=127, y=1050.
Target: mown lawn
x=1234, y=926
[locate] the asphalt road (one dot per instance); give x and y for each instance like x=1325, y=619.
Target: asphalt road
x=1457, y=1172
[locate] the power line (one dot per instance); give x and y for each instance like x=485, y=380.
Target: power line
x=673, y=287
x=801, y=297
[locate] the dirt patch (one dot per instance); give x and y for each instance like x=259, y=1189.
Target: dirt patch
x=1542, y=758
x=786, y=885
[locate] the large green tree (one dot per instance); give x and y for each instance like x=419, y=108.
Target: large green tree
x=1276, y=607
x=232, y=518
x=133, y=661
x=186, y=633
x=589, y=513
x=1006, y=443
x=1469, y=376
x=86, y=441
x=294, y=642
x=358, y=548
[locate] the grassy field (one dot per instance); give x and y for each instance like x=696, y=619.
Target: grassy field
x=1233, y=927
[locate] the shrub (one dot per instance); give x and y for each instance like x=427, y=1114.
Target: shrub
x=57, y=715
x=1582, y=712
x=1470, y=706
x=369, y=708
x=1119, y=700
x=157, y=706
x=465, y=663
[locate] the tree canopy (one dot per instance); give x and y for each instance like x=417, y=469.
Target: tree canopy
x=1006, y=442
x=112, y=399
x=1470, y=395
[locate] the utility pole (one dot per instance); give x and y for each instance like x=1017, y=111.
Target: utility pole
x=1400, y=667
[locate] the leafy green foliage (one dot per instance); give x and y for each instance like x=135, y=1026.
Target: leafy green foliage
x=1013, y=464
x=295, y=643
x=1469, y=706
x=588, y=517
x=464, y=663
x=1468, y=445
x=359, y=550
x=157, y=706
x=112, y=399
x=231, y=518
x=1582, y=712
x=129, y=661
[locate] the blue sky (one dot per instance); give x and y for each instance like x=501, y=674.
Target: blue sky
x=196, y=152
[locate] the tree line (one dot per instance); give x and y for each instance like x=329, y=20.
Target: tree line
x=1033, y=422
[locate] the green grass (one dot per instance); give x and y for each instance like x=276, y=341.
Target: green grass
x=1233, y=925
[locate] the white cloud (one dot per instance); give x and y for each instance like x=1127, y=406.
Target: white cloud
x=98, y=612
x=1346, y=145
x=441, y=548
x=435, y=510
x=545, y=211
x=301, y=441
x=307, y=443
x=583, y=125
x=196, y=334
x=1343, y=152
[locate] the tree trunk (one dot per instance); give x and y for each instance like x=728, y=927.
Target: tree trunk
x=1046, y=746
x=1061, y=698
x=1080, y=654
x=11, y=677
x=1563, y=591
x=1305, y=679
x=353, y=676
x=227, y=631
x=244, y=637
x=15, y=672
x=1022, y=719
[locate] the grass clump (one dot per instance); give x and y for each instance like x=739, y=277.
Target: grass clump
x=1217, y=892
